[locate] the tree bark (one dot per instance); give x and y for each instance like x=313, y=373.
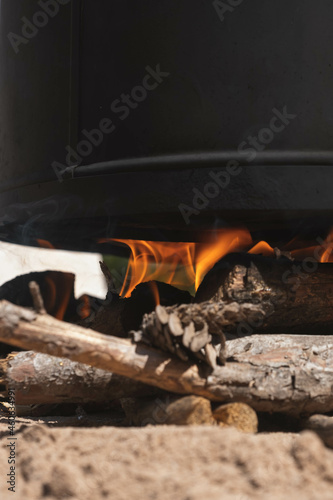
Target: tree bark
x=297, y=297
x=295, y=377
x=42, y=379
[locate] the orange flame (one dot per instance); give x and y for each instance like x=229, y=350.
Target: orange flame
x=45, y=244
x=85, y=309
x=156, y=294
x=183, y=265
x=58, y=288
x=327, y=255
x=262, y=248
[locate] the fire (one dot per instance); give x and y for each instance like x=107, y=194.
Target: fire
x=321, y=251
x=58, y=293
x=183, y=265
x=155, y=292
x=262, y=248
x=58, y=289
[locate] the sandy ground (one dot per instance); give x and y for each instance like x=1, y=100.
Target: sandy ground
x=165, y=463
x=16, y=260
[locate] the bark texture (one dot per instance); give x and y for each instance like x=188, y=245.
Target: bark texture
x=42, y=379
x=283, y=373
x=295, y=296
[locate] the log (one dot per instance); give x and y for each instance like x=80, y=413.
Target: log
x=47, y=380
x=296, y=378
x=296, y=296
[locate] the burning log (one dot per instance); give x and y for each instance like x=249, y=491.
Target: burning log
x=294, y=375
x=296, y=296
x=43, y=379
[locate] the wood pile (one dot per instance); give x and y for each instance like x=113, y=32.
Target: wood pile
x=257, y=339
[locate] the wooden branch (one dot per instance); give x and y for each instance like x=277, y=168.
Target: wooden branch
x=37, y=297
x=43, y=379
x=295, y=379
x=296, y=296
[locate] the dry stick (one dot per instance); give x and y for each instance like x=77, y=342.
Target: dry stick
x=37, y=297
x=42, y=379
x=108, y=276
x=296, y=380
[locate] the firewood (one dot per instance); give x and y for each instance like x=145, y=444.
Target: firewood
x=37, y=297
x=42, y=379
x=168, y=410
x=238, y=415
x=296, y=378
x=296, y=296
x=194, y=330
x=117, y=316
x=321, y=425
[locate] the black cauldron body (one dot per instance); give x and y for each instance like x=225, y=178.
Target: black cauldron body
x=159, y=119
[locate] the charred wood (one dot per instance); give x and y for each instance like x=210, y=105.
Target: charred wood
x=117, y=316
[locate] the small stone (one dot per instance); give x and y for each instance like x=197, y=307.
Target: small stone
x=238, y=415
